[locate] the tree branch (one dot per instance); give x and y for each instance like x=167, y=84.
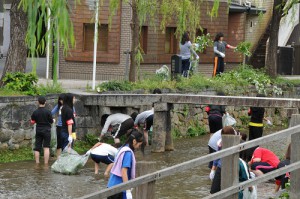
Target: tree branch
x=288, y=6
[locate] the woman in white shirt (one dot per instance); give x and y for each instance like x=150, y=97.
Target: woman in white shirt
x=185, y=53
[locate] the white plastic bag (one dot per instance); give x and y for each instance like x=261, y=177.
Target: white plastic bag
x=228, y=120
x=250, y=195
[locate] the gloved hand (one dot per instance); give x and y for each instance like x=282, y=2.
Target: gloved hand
x=212, y=174
x=197, y=57
x=222, y=54
x=70, y=139
x=88, y=152
x=128, y=194
x=269, y=123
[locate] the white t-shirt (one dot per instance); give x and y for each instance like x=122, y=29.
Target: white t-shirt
x=185, y=50
x=104, y=149
x=213, y=141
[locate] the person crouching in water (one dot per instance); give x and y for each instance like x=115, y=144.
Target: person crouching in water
x=125, y=163
x=105, y=153
x=122, y=122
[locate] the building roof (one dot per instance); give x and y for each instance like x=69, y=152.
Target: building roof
x=237, y=8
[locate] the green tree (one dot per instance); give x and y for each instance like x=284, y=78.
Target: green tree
x=38, y=13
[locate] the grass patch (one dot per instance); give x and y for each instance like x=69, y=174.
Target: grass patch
x=8, y=92
x=21, y=154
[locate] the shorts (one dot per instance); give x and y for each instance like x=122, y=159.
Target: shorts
x=106, y=159
x=124, y=127
x=215, y=123
x=255, y=132
x=42, y=139
x=148, y=122
x=262, y=166
x=58, y=137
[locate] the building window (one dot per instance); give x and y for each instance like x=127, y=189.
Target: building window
x=88, y=36
x=144, y=38
x=171, y=43
x=200, y=32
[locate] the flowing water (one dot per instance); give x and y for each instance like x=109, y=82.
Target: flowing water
x=27, y=181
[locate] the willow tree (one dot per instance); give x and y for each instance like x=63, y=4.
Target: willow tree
x=60, y=27
x=185, y=13
x=17, y=51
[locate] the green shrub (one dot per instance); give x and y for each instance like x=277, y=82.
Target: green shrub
x=91, y=138
x=239, y=81
x=195, y=129
x=115, y=86
x=49, y=89
x=22, y=82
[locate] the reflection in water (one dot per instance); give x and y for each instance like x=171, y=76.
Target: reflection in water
x=27, y=181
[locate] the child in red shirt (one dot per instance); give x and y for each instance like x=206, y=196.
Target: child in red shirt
x=263, y=161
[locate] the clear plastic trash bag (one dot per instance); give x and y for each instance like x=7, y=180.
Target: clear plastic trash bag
x=69, y=162
x=228, y=120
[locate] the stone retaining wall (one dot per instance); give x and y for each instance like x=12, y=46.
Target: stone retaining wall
x=16, y=131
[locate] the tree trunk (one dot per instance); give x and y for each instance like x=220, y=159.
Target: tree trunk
x=271, y=59
x=17, y=51
x=135, y=27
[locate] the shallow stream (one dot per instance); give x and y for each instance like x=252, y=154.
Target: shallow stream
x=27, y=181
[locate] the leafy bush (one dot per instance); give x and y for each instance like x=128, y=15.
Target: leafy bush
x=23, y=82
x=91, y=139
x=244, y=48
x=240, y=81
x=195, y=129
x=115, y=86
x=203, y=42
x=237, y=81
x=286, y=194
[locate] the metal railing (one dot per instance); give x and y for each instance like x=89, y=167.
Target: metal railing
x=294, y=167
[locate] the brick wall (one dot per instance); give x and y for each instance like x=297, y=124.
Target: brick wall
x=236, y=34
x=156, y=56
x=79, y=65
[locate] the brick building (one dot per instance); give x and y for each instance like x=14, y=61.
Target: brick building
x=237, y=21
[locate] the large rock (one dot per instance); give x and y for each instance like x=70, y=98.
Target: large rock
x=5, y=135
x=3, y=146
x=18, y=136
x=28, y=134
